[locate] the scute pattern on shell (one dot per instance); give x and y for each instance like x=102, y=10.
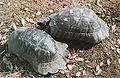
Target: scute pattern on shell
x=78, y=23
x=39, y=49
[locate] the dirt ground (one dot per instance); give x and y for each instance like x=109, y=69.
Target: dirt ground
x=100, y=61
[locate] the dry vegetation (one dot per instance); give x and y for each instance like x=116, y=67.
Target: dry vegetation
x=102, y=60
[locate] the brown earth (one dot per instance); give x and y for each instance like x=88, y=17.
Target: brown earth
x=102, y=60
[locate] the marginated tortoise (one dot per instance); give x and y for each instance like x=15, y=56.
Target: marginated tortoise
x=76, y=24
x=45, y=54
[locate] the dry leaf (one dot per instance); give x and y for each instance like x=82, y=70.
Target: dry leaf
x=80, y=68
x=113, y=27
x=113, y=48
x=118, y=50
x=98, y=72
x=0, y=36
x=23, y=21
x=98, y=69
x=79, y=59
x=38, y=13
x=2, y=3
x=78, y=73
x=30, y=20
x=108, y=61
x=1, y=24
x=51, y=11
x=119, y=60
x=118, y=41
x=5, y=60
x=101, y=63
x=14, y=26
x=16, y=74
x=84, y=72
x=70, y=67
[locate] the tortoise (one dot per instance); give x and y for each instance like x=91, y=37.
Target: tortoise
x=75, y=24
x=45, y=54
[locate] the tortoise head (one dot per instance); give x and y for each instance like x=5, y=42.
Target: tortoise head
x=43, y=23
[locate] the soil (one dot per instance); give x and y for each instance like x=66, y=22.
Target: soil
x=101, y=60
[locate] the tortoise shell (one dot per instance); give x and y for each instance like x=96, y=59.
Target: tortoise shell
x=39, y=49
x=76, y=23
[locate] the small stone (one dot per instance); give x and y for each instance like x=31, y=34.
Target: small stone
x=78, y=74
x=38, y=13
x=118, y=50
x=79, y=59
x=108, y=61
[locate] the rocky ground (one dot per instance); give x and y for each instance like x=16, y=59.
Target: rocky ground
x=102, y=60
